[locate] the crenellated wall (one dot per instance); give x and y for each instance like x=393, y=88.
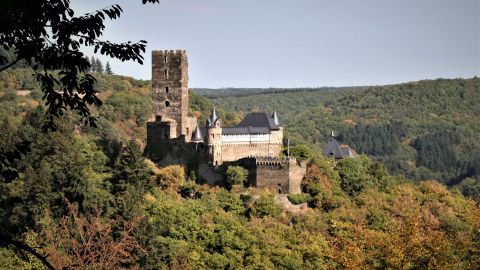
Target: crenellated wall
x=283, y=175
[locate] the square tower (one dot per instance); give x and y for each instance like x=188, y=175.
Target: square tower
x=170, y=88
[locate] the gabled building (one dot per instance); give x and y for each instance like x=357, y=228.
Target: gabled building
x=333, y=149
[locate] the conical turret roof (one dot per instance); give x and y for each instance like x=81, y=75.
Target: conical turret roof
x=276, y=121
x=213, y=117
x=197, y=135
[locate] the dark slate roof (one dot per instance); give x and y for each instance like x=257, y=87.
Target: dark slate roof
x=245, y=130
x=197, y=135
x=213, y=117
x=332, y=148
x=259, y=119
x=346, y=151
x=276, y=121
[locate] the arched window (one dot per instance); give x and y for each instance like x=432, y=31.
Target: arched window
x=167, y=103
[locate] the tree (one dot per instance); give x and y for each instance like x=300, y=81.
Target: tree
x=131, y=179
x=108, y=69
x=99, y=66
x=265, y=205
x=235, y=175
x=93, y=65
x=301, y=152
x=48, y=35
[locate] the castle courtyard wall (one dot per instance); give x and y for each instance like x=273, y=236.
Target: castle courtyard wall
x=273, y=176
x=233, y=152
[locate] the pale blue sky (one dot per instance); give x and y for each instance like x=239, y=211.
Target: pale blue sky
x=303, y=43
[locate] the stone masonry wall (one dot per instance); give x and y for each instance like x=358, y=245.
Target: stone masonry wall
x=170, y=87
x=296, y=173
x=273, y=176
x=282, y=175
x=232, y=152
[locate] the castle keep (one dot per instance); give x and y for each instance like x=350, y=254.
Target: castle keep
x=258, y=139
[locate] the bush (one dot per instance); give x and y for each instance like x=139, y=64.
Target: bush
x=171, y=176
x=299, y=198
x=265, y=206
x=235, y=175
x=301, y=152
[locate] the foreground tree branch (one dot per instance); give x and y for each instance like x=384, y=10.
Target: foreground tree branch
x=49, y=36
x=26, y=248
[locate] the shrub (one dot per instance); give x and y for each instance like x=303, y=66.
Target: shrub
x=301, y=152
x=235, y=175
x=299, y=198
x=171, y=176
x=265, y=206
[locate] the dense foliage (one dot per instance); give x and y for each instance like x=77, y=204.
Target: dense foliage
x=422, y=130
x=86, y=198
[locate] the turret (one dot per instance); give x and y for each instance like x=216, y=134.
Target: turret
x=197, y=136
x=213, y=117
x=276, y=121
x=214, y=140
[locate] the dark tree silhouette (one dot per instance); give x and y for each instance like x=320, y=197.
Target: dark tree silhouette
x=49, y=35
x=108, y=69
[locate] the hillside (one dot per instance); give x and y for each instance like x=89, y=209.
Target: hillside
x=86, y=196
x=424, y=130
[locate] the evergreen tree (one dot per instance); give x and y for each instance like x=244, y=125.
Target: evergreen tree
x=99, y=66
x=93, y=64
x=131, y=179
x=108, y=69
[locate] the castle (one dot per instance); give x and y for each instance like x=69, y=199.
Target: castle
x=255, y=143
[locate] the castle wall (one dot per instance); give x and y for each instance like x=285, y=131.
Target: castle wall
x=235, y=151
x=191, y=124
x=296, y=173
x=283, y=175
x=273, y=176
x=276, y=136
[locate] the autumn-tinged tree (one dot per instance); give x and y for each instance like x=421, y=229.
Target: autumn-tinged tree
x=90, y=243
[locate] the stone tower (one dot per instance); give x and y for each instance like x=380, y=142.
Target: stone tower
x=170, y=90
x=214, y=138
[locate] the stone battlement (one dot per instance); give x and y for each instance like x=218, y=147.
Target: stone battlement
x=272, y=161
x=177, y=53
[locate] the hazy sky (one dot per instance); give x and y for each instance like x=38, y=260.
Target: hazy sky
x=302, y=43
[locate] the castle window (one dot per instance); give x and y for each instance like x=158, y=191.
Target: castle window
x=165, y=59
x=167, y=103
x=166, y=73
x=166, y=89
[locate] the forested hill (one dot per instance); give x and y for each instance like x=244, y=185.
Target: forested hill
x=86, y=197
x=241, y=92
x=426, y=130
